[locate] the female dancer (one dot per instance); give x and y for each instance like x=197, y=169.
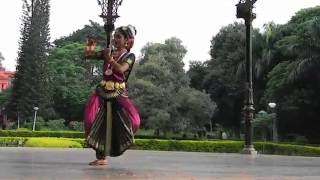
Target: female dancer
x=111, y=119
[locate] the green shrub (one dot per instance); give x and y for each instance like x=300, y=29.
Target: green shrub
x=144, y=132
x=28, y=133
x=66, y=134
x=287, y=149
x=224, y=147
x=12, y=141
x=81, y=141
x=76, y=126
x=18, y=138
x=56, y=125
x=52, y=143
x=42, y=142
x=188, y=145
x=40, y=123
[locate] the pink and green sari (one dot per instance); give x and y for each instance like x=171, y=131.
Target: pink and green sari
x=111, y=118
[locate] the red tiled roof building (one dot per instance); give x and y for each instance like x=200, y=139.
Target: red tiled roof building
x=5, y=78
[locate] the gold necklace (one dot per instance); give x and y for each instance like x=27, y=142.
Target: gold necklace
x=109, y=70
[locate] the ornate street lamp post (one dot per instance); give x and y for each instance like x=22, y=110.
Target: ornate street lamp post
x=244, y=10
x=35, y=118
x=272, y=106
x=109, y=15
x=18, y=121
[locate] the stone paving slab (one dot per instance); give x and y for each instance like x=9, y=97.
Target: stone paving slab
x=39, y=163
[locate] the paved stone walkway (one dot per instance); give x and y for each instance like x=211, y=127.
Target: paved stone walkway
x=37, y=163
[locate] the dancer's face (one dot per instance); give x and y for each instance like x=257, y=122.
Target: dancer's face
x=119, y=41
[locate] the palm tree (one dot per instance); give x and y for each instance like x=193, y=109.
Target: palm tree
x=307, y=50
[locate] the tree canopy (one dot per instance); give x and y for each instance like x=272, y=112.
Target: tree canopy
x=161, y=90
x=30, y=85
x=286, y=63
x=1, y=59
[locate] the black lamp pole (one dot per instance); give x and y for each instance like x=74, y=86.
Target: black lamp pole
x=109, y=15
x=244, y=10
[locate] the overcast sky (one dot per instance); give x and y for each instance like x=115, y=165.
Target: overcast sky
x=195, y=22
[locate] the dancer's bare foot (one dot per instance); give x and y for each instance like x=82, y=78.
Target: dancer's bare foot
x=98, y=162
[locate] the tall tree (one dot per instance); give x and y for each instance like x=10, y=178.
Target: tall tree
x=80, y=36
x=1, y=59
x=292, y=82
x=197, y=70
x=69, y=85
x=30, y=85
x=160, y=87
x=94, y=29
x=225, y=73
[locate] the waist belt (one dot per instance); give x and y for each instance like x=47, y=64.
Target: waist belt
x=111, y=85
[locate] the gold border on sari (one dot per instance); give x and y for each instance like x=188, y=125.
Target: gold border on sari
x=108, y=128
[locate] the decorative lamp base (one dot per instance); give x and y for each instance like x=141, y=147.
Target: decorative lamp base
x=249, y=150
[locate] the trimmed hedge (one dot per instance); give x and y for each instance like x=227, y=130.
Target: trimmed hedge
x=69, y=134
x=12, y=141
x=219, y=146
x=52, y=143
x=286, y=149
x=188, y=145
x=65, y=134
x=225, y=147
